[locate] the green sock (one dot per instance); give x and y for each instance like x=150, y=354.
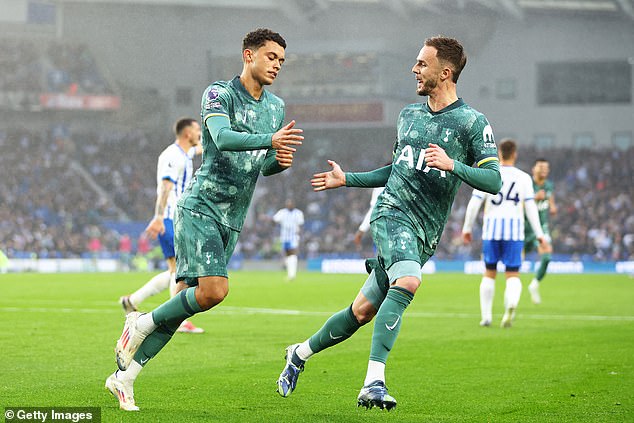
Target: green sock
x=181, y=306
x=339, y=327
x=168, y=317
x=156, y=341
x=543, y=265
x=387, y=323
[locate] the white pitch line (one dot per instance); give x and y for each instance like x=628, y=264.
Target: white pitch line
x=286, y=312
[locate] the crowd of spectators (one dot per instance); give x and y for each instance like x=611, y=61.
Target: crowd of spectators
x=50, y=210
x=20, y=66
x=49, y=66
x=47, y=209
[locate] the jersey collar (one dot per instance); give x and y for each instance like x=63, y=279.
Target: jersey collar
x=449, y=108
x=238, y=85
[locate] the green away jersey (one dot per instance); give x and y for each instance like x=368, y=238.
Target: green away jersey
x=223, y=186
x=543, y=207
x=424, y=194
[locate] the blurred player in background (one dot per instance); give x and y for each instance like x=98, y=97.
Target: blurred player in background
x=503, y=232
x=173, y=173
x=545, y=199
x=243, y=135
x=364, y=227
x=437, y=143
x=290, y=220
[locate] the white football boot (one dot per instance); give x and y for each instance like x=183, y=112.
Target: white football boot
x=533, y=288
x=507, y=319
x=129, y=342
x=122, y=391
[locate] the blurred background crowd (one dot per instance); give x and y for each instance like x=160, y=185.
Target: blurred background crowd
x=69, y=191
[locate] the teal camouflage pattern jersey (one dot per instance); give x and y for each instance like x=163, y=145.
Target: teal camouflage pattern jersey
x=223, y=185
x=424, y=194
x=543, y=208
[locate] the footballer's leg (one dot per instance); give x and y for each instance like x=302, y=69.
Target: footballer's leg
x=491, y=253
x=487, y=293
x=512, y=259
x=403, y=267
x=387, y=325
x=121, y=383
x=339, y=327
x=544, y=260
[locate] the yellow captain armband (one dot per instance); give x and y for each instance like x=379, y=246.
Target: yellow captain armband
x=486, y=160
x=207, y=116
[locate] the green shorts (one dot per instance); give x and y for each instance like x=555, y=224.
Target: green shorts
x=396, y=240
x=376, y=286
x=399, y=254
x=203, y=246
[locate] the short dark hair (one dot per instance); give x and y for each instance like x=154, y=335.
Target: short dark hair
x=449, y=50
x=256, y=39
x=182, y=123
x=508, y=147
x=540, y=159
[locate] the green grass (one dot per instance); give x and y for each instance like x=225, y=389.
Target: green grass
x=570, y=359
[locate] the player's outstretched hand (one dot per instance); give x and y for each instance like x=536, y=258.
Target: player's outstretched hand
x=328, y=180
x=436, y=157
x=284, y=158
x=287, y=137
x=155, y=228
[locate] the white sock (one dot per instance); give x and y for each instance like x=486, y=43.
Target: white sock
x=152, y=287
x=512, y=292
x=145, y=323
x=172, y=284
x=303, y=351
x=291, y=266
x=376, y=371
x=487, y=291
x=131, y=373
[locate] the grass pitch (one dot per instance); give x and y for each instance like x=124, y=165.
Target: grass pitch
x=570, y=359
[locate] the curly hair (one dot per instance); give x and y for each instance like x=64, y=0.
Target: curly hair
x=256, y=39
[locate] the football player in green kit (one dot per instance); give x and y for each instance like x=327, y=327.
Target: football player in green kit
x=437, y=143
x=545, y=200
x=243, y=136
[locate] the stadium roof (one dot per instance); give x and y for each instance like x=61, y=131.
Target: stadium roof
x=518, y=9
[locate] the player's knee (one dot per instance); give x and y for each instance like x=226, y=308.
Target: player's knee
x=211, y=299
x=364, y=313
x=211, y=295
x=409, y=283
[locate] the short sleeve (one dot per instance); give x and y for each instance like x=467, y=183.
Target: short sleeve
x=277, y=217
x=168, y=169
